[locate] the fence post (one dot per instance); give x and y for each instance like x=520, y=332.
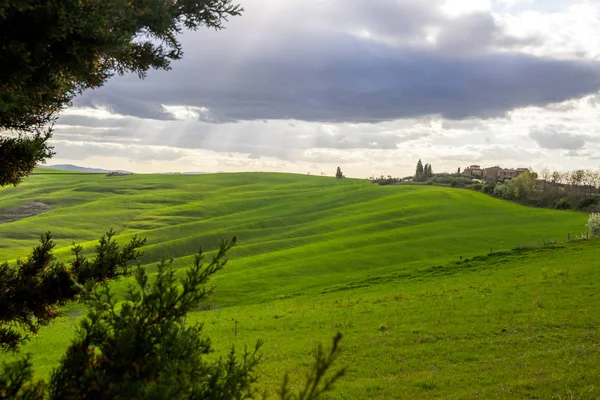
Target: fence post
x=569, y=237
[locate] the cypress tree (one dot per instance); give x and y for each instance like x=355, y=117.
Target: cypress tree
x=420, y=171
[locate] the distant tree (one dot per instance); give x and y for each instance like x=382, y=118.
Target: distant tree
x=556, y=177
x=458, y=172
x=53, y=50
x=589, y=180
x=428, y=171
x=577, y=177
x=546, y=177
x=143, y=348
x=338, y=173
x=525, y=184
x=420, y=171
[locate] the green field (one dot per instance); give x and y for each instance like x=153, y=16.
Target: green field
x=380, y=264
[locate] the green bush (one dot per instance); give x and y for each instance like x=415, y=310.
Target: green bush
x=504, y=191
x=489, y=188
x=475, y=186
x=453, y=183
x=587, y=201
x=563, y=204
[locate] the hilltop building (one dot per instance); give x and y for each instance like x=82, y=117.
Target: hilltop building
x=474, y=171
x=493, y=174
x=505, y=174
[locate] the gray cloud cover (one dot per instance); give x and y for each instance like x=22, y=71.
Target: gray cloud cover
x=279, y=139
x=363, y=61
x=556, y=137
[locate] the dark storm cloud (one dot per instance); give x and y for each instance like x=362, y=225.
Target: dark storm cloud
x=357, y=88
x=295, y=61
x=556, y=137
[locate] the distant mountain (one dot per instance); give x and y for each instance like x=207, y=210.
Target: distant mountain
x=77, y=168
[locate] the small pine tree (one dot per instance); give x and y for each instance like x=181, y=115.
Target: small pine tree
x=31, y=290
x=142, y=348
x=338, y=173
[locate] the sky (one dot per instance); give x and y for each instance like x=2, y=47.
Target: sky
x=371, y=86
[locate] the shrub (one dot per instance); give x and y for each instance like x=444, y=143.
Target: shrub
x=475, y=186
x=453, y=183
x=563, y=204
x=504, y=191
x=32, y=289
x=489, y=188
x=593, y=224
x=587, y=201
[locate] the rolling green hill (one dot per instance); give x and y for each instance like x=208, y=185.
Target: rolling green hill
x=381, y=264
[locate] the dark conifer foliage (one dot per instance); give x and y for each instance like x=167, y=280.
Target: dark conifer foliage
x=31, y=290
x=53, y=50
x=19, y=155
x=420, y=171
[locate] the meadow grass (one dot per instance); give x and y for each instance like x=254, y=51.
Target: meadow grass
x=380, y=264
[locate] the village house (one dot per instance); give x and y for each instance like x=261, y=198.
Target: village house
x=511, y=173
x=474, y=171
x=493, y=174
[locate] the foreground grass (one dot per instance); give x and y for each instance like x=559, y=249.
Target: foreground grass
x=515, y=325
x=381, y=265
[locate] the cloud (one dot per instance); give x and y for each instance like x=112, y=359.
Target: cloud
x=555, y=137
x=364, y=61
x=280, y=139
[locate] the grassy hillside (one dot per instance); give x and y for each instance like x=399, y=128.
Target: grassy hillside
x=297, y=234
x=318, y=255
